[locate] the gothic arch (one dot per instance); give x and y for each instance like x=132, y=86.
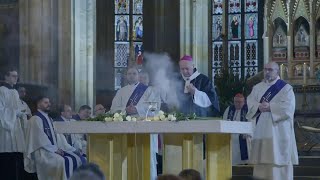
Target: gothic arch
x=279, y=40
x=301, y=32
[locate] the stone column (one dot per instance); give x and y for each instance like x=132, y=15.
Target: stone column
x=65, y=53
x=38, y=42
x=312, y=40
x=194, y=31
x=290, y=47
x=186, y=27
x=265, y=37
x=84, y=52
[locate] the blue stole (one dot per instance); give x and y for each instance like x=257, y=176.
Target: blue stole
x=48, y=132
x=271, y=92
x=137, y=94
x=242, y=141
x=46, y=126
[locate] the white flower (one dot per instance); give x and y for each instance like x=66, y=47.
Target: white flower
x=115, y=119
x=170, y=116
x=123, y=113
x=128, y=118
x=162, y=117
x=161, y=113
x=165, y=119
x=108, y=119
x=173, y=118
x=133, y=119
x=120, y=118
x=116, y=115
x=156, y=118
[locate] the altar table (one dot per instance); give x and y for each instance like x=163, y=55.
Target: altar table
x=122, y=149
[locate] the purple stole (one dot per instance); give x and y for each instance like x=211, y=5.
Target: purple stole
x=137, y=94
x=48, y=132
x=46, y=127
x=242, y=141
x=271, y=93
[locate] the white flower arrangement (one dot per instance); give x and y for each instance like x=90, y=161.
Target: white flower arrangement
x=161, y=116
x=119, y=117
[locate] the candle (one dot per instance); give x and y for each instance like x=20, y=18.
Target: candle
x=304, y=74
x=282, y=71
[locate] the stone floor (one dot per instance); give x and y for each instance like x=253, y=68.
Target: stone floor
x=308, y=168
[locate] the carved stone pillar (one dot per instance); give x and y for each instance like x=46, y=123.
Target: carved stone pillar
x=266, y=37
x=194, y=31
x=290, y=48
x=312, y=40
x=84, y=52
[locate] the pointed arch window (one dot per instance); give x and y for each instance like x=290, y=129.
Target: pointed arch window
x=128, y=41
x=243, y=36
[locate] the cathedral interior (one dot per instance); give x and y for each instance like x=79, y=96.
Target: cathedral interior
x=76, y=51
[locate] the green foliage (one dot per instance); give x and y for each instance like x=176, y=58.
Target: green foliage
x=99, y=117
x=185, y=117
x=228, y=86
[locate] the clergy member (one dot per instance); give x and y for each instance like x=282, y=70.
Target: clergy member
x=12, y=120
x=238, y=112
x=46, y=152
x=75, y=140
x=83, y=113
x=272, y=104
x=199, y=95
x=99, y=109
x=134, y=98
x=22, y=94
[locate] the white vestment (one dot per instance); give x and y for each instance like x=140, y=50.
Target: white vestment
x=24, y=106
x=273, y=144
x=119, y=103
x=40, y=156
x=11, y=123
x=236, y=154
x=78, y=141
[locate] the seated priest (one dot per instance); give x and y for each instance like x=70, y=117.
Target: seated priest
x=75, y=140
x=237, y=112
x=135, y=98
x=99, y=109
x=198, y=94
x=83, y=114
x=47, y=153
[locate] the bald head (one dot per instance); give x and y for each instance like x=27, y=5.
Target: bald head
x=271, y=71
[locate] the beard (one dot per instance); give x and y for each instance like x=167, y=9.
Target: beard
x=47, y=110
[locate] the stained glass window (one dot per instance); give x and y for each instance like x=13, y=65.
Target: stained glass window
x=128, y=45
x=242, y=36
x=217, y=26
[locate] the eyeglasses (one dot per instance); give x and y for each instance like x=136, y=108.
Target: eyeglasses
x=13, y=75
